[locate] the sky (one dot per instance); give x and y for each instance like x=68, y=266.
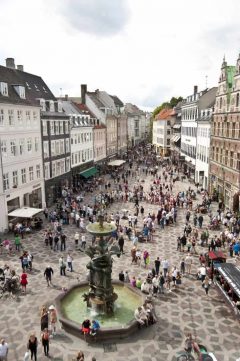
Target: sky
x=143, y=51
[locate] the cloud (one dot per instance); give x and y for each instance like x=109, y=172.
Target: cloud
x=155, y=97
x=98, y=17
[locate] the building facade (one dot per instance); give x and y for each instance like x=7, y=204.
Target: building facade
x=21, y=171
x=225, y=135
x=162, y=132
x=136, y=124
x=190, y=111
x=99, y=143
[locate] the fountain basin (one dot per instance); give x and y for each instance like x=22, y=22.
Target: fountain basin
x=101, y=230
x=72, y=311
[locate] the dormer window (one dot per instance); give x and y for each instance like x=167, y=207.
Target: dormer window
x=43, y=104
x=60, y=108
x=51, y=106
x=4, y=89
x=20, y=90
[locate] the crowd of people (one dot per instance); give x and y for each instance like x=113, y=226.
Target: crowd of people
x=136, y=229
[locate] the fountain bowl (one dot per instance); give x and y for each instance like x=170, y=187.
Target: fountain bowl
x=101, y=230
x=72, y=311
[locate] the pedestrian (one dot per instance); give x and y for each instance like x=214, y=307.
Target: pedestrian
x=32, y=346
x=165, y=265
x=155, y=283
x=44, y=318
x=83, y=241
x=157, y=265
x=62, y=266
x=24, y=282
x=17, y=243
x=161, y=283
x=121, y=243
x=63, y=238
x=80, y=356
x=45, y=341
x=30, y=259
x=200, y=221
x=48, y=275
x=206, y=285
x=188, y=263
x=52, y=319
x=3, y=350
x=69, y=262
x=182, y=266
x=76, y=238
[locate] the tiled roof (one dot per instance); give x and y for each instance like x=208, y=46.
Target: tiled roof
x=35, y=87
x=164, y=114
x=95, y=99
x=84, y=109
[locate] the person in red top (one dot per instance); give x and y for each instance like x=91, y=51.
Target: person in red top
x=24, y=282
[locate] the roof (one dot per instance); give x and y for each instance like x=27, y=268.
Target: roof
x=25, y=212
x=164, y=114
x=95, y=99
x=116, y=163
x=213, y=255
x=70, y=108
x=99, y=126
x=117, y=101
x=231, y=274
x=207, y=100
x=35, y=87
x=132, y=109
x=84, y=109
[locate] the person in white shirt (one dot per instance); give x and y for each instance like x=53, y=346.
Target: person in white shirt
x=202, y=272
x=83, y=241
x=155, y=283
x=165, y=265
x=3, y=350
x=69, y=262
x=188, y=263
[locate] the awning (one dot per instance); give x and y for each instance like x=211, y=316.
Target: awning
x=116, y=163
x=231, y=274
x=172, y=138
x=25, y=212
x=214, y=255
x=89, y=172
x=177, y=137
x=177, y=126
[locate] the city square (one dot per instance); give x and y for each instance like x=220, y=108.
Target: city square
x=185, y=309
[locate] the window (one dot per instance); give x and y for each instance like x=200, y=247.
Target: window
x=67, y=145
x=4, y=148
x=20, y=90
x=11, y=117
x=36, y=144
x=28, y=118
x=52, y=131
x=231, y=159
x=29, y=144
x=66, y=127
x=238, y=161
x=53, y=169
x=19, y=116
x=46, y=171
x=233, y=129
x=237, y=100
x=15, y=178
x=30, y=173
x=53, y=147
x=4, y=89
x=61, y=146
x=1, y=117
x=35, y=117
x=57, y=148
x=221, y=155
x=56, y=127
x=13, y=147
x=61, y=127
x=38, y=170
x=45, y=149
x=23, y=172
x=44, y=127
x=21, y=146
x=58, y=168
x=5, y=182
x=52, y=106
x=226, y=157
x=62, y=166
x=67, y=164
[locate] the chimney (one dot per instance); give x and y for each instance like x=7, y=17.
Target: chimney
x=66, y=96
x=195, y=89
x=83, y=93
x=10, y=63
x=20, y=67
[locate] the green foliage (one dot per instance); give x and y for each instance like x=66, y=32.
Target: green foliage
x=173, y=102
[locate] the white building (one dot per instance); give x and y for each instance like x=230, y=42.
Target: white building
x=190, y=110
x=203, y=147
x=162, y=132
x=136, y=124
x=21, y=170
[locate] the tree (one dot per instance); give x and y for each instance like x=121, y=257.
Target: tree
x=173, y=102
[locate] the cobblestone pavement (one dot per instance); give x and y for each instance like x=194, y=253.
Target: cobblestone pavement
x=185, y=309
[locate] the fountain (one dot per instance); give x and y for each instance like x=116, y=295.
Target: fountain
x=112, y=302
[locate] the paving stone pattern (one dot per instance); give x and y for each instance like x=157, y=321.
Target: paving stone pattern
x=185, y=309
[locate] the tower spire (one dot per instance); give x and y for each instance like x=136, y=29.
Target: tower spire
x=224, y=63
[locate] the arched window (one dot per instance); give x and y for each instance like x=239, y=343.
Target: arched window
x=237, y=100
x=220, y=106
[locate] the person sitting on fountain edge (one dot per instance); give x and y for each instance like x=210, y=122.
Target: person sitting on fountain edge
x=95, y=327
x=86, y=327
x=121, y=276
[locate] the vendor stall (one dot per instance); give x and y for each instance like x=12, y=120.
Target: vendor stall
x=116, y=163
x=25, y=218
x=227, y=280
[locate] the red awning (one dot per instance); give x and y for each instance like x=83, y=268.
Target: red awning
x=216, y=255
